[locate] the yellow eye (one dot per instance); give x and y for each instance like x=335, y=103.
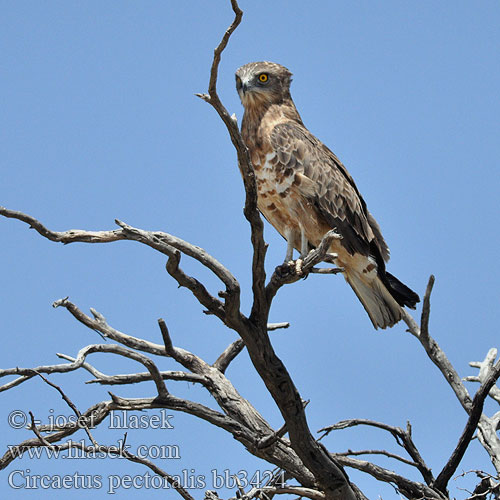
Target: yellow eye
x=263, y=77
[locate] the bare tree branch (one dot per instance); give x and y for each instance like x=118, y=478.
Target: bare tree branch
x=218, y=385
x=162, y=242
x=488, y=485
x=28, y=373
x=484, y=369
x=99, y=324
x=110, y=450
x=472, y=423
x=435, y=353
x=260, y=307
x=354, y=453
x=16, y=382
x=254, y=332
x=121, y=451
x=277, y=326
x=303, y=458
x=272, y=438
x=158, y=240
x=233, y=349
x=410, y=489
x=154, y=373
x=486, y=432
x=426, y=309
x=291, y=272
x=70, y=404
x=403, y=439
x=267, y=491
x=134, y=378
x=97, y=413
x=65, y=236
x=94, y=415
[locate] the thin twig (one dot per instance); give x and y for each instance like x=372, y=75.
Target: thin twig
x=134, y=378
x=272, y=438
x=403, y=438
x=436, y=354
x=70, y=403
x=426, y=310
x=354, y=453
x=484, y=368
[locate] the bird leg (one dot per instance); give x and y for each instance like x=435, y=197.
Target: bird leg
x=331, y=258
x=304, y=250
x=294, y=266
x=288, y=267
x=304, y=243
x=289, y=244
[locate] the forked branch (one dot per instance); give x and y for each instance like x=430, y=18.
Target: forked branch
x=403, y=438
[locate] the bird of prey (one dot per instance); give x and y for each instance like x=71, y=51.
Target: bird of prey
x=304, y=191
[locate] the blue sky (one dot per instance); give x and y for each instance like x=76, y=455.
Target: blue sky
x=99, y=121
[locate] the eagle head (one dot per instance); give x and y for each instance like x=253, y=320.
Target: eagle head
x=261, y=83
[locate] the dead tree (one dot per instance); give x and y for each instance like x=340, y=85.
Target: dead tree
x=305, y=467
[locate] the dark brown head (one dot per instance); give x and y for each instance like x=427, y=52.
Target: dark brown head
x=263, y=83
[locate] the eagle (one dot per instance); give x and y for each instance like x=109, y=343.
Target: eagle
x=304, y=191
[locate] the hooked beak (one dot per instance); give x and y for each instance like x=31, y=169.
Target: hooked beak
x=243, y=86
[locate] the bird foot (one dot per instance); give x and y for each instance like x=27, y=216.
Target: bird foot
x=286, y=270
x=298, y=268
x=291, y=270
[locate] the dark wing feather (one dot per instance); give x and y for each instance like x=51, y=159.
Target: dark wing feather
x=332, y=190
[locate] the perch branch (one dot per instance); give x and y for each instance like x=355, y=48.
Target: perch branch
x=329, y=475
x=260, y=306
x=287, y=273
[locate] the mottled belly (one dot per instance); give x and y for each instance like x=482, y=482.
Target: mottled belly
x=284, y=206
x=290, y=212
